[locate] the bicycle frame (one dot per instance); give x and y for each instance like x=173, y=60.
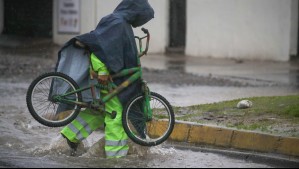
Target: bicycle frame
x=133, y=73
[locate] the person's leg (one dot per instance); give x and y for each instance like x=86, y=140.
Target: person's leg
x=80, y=128
x=116, y=140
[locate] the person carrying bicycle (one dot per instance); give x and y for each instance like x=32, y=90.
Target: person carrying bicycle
x=113, y=48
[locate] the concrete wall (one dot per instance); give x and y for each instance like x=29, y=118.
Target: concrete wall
x=88, y=14
x=1, y=16
x=294, y=28
x=158, y=26
x=251, y=29
x=93, y=10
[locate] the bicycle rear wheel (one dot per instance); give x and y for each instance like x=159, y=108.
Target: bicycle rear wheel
x=148, y=130
x=42, y=100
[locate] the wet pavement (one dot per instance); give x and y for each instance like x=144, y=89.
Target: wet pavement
x=194, y=95
x=251, y=78
x=253, y=71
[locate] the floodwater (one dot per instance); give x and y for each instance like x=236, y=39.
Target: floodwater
x=26, y=143
x=157, y=157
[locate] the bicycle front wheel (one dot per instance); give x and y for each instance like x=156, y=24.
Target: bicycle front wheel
x=148, y=129
x=43, y=99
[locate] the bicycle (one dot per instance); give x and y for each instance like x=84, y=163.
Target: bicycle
x=148, y=118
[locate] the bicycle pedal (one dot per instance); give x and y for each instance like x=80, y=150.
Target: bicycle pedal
x=113, y=114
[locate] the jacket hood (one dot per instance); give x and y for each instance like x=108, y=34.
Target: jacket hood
x=135, y=12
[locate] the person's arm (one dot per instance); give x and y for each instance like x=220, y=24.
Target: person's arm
x=100, y=68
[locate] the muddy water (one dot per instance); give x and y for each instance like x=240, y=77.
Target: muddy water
x=26, y=143
x=157, y=158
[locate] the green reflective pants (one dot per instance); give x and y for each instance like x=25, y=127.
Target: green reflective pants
x=116, y=140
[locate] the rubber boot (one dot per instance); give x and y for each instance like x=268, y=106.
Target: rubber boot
x=72, y=145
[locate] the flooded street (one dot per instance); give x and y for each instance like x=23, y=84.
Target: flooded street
x=157, y=158
x=26, y=143
x=191, y=53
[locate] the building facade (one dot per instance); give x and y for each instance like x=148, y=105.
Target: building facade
x=91, y=11
x=242, y=29
x=246, y=29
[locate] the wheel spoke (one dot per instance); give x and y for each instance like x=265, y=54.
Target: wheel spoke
x=44, y=108
x=146, y=131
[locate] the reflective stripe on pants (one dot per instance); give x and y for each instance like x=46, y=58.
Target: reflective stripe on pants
x=116, y=140
x=83, y=126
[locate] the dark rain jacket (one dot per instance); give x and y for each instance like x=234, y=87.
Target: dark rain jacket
x=112, y=42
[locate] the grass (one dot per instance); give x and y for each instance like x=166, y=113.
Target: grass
x=268, y=114
x=287, y=106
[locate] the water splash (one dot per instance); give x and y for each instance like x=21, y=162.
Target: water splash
x=160, y=150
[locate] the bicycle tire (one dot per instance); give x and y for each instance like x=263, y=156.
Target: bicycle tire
x=41, y=105
x=148, y=132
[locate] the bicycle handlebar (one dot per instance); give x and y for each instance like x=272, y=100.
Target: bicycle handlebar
x=142, y=53
x=145, y=30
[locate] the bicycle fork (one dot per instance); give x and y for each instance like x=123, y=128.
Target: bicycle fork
x=146, y=105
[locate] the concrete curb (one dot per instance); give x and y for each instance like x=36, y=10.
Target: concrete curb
x=273, y=160
x=230, y=138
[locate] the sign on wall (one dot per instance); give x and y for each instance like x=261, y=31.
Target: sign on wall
x=69, y=16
